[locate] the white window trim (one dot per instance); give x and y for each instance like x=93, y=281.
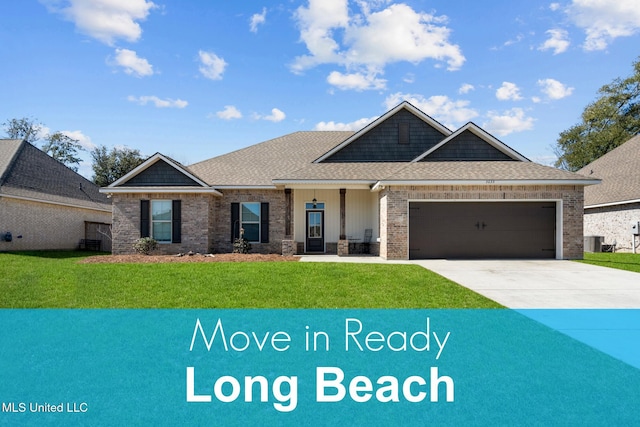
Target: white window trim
x=170, y=221
x=259, y=221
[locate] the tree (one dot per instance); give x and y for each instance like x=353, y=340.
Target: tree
x=607, y=122
x=109, y=166
x=64, y=149
x=25, y=129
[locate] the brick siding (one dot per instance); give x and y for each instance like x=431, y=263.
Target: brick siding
x=195, y=222
x=613, y=223
x=44, y=226
x=394, y=231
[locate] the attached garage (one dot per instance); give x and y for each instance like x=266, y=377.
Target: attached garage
x=482, y=229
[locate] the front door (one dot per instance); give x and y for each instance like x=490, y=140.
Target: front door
x=315, y=231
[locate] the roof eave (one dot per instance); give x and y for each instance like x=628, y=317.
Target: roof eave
x=160, y=190
x=325, y=183
x=382, y=184
x=604, y=205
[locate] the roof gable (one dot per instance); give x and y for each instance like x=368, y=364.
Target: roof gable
x=398, y=136
x=470, y=143
x=159, y=171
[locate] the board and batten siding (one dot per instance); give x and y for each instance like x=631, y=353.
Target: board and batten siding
x=361, y=210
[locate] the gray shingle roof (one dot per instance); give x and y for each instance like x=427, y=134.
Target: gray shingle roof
x=259, y=164
x=289, y=159
x=482, y=171
x=26, y=171
x=432, y=171
x=619, y=170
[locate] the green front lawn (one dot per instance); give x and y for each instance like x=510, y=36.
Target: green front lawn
x=56, y=280
x=622, y=261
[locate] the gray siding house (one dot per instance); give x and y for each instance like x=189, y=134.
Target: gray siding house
x=403, y=187
x=613, y=206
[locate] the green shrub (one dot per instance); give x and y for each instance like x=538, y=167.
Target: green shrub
x=241, y=246
x=145, y=245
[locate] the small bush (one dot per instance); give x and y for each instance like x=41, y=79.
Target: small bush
x=145, y=245
x=241, y=246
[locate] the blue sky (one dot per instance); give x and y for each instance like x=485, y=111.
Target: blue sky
x=196, y=79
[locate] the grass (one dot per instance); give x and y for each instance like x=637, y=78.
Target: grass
x=57, y=280
x=622, y=261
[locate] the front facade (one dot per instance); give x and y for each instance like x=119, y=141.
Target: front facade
x=613, y=207
x=45, y=205
x=403, y=187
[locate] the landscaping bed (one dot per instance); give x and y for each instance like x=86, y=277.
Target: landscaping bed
x=149, y=259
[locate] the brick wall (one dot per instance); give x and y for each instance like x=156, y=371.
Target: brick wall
x=44, y=225
x=222, y=222
x=613, y=222
x=394, y=210
x=196, y=222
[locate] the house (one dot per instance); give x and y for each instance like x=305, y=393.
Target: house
x=611, y=207
x=46, y=205
x=403, y=187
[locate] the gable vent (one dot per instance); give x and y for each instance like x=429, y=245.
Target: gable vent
x=403, y=133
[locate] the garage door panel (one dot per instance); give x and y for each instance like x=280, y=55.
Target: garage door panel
x=482, y=230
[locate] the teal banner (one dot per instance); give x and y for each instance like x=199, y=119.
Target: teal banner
x=319, y=367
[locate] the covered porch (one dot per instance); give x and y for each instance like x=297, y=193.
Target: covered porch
x=331, y=220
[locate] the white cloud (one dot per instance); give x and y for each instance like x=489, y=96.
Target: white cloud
x=257, y=19
x=212, y=66
x=554, y=6
x=82, y=139
x=509, y=121
x=450, y=112
x=558, y=41
x=159, y=103
x=508, y=92
x=605, y=20
x=230, y=112
x=132, y=63
x=553, y=89
x=105, y=20
x=365, y=42
x=275, y=116
x=466, y=88
x=354, y=126
x=356, y=81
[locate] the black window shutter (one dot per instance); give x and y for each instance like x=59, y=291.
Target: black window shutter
x=264, y=222
x=176, y=221
x=235, y=221
x=145, y=211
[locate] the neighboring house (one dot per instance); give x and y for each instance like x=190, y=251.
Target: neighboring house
x=611, y=207
x=46, y=205
x=415, y=187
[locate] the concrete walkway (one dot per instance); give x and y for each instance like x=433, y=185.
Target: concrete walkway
x=530, y=283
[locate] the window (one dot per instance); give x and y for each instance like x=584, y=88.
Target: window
x=161, y=220
x=310, y=205
x=250, y=221
x=253, y=218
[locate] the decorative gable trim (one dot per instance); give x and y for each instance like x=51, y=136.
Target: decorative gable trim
x=480, y=133
x=403, y=105
x=150, y=162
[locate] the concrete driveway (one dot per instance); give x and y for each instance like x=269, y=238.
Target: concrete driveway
x=543, y=284
x=530, y=283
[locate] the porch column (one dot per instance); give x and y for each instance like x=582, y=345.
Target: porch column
x=287, y=214
x=343, y=243
x=343, y=234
